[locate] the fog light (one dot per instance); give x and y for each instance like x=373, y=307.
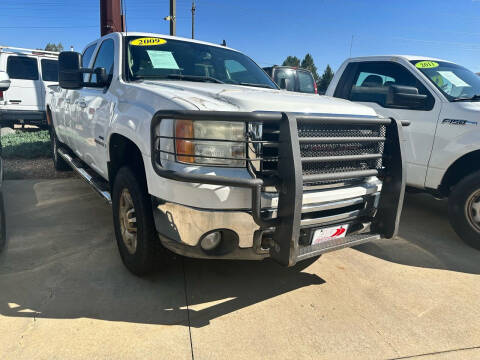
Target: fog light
x=211, y=241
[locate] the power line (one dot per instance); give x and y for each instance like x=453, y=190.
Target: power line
x=48, y=27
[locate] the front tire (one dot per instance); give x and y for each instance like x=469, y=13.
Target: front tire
x=58, y=162
x=464, y=209
x=137, y=239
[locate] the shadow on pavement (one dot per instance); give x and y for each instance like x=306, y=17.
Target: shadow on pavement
x=426, y=239
x=62, y=263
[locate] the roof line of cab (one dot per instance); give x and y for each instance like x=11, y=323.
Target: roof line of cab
x=405, y=57
x=136, y=33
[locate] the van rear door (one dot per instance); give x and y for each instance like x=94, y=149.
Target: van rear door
x=25, y=92
x=49, y=69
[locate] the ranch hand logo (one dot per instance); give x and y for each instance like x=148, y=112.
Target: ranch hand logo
x=339, y=232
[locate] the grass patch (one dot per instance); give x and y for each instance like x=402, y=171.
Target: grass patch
x=26, y=145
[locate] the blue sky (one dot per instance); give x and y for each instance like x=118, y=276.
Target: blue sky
x=268, y=30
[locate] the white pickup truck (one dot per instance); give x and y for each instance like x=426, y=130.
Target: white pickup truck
x=442, y=101
x=201, y=153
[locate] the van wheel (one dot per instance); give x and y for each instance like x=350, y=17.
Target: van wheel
x=137, y=240
x=464, y=209
x=58, y=162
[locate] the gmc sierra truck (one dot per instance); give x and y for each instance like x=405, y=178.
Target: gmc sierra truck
x=442, y=101
x=200, y=152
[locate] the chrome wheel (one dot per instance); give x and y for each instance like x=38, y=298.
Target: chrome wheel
x=472, y=210
x=128, y=221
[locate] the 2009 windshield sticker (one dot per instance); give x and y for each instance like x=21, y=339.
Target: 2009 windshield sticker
x=426, y=64
x=148, y=41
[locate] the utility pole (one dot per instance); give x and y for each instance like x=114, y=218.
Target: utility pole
x=173, y=13
x=111, y=17
x=193, y=19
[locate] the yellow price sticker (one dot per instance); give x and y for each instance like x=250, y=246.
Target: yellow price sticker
x=426, y=65
x=148, y=41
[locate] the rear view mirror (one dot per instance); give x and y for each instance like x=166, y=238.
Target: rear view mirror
x=101, y=76
x=4, y=81
x=405, y=97
x=70, y=75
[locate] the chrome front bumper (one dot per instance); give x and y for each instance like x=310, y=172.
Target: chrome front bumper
x=181, y=227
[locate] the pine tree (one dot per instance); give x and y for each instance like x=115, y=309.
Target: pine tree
x=309, y=64
x=291, y=61
x=324, y=81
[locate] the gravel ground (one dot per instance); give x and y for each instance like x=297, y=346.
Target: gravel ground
x=42, y=168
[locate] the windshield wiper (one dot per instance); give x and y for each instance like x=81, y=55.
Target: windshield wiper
x=195, y=78
x=255, y=85
x=472, y=98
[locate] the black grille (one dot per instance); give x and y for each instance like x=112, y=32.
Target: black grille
x=329, y=148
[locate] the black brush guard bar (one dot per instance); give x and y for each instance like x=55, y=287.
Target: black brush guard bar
x=287, y=222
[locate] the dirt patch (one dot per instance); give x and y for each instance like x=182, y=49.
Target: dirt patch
x=41, y=168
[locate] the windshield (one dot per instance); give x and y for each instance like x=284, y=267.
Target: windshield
x=288, y=75
x=157, y=58
x=454, y=81
x=306, y=84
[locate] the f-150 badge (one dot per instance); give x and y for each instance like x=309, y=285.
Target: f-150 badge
x=458, y=122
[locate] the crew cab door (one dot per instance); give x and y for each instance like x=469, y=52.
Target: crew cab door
x=95, y=107
x=368, y=83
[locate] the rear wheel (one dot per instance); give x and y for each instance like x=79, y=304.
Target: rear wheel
x=137, y=239
x=464, y=209
x=58, y=162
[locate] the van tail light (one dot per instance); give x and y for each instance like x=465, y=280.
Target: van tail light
x=315, y=87
x=1, y=95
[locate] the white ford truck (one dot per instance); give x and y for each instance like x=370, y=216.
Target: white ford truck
x=200, y=153
x=442, y=101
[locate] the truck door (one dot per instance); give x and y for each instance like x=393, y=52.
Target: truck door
x=368, y=83
x=25, y=92
x=95, y=107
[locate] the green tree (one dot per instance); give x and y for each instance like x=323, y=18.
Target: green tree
x=309, y=64
x=291, y=61
x=324, y=81
x=52, y=47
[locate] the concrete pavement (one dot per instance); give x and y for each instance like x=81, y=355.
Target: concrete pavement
x=64, y=293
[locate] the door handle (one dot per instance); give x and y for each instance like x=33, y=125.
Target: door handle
x=82, y=104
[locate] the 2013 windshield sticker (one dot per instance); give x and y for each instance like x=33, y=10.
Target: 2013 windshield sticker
x=426, y=65
x=148, y=41
x=459, y=122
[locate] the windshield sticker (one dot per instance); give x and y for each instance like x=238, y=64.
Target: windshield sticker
x=453, y=78
x=162, y=60
x=426, y=65
x=148, y=41
x=437, y=79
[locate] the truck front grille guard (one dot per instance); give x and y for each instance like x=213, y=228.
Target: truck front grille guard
x=289, y=178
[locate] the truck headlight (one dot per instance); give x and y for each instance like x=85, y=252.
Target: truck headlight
x=210, y=144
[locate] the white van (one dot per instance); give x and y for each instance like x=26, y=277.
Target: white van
x=30, y=72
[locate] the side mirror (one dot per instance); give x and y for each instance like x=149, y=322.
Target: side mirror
x=70, y=75
x=102, y=78
x=405, y=97
x=4, y=81
x=284, y=84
